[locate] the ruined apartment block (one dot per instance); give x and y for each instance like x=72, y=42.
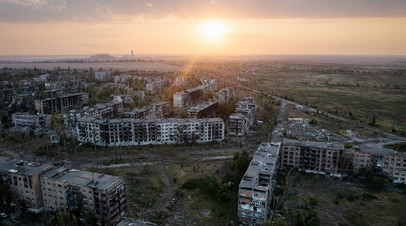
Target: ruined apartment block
x=128, y=132
x=98, y=194
x=257, y=185
x=392, y=163
x=25, y=121
x=313, y=157
x=61, y=103
x=243, y=118
x=6, y=96
x=153, y=111
x=47, y=187
x=207, y=109
x=225, y=95
x=193, y=95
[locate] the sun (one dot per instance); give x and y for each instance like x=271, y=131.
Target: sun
x=213, y=30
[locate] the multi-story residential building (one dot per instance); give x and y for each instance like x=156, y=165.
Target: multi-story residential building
x=314, y=157
x=126, y=132
x=24, y=121
x=180, y=99
x=160, y=109
x=152, y=111
x=61, y=103
x=97, y=194
x=23, y=179
x=103, y=75
x=257, y=185
x=6, y=96
x=392, y=163
x=206, y=109
x=225, y=95
x=247, y=103
x=155, y=86
x=240, y=121
x=238, y=124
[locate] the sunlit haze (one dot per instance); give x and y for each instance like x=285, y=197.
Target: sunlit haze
x=42, y=27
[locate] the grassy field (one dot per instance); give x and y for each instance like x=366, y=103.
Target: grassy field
x=144, y=187
x=380, y=92
x=344, y=203
x=194, y=201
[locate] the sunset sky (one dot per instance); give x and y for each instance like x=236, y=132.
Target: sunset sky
x=361, y=27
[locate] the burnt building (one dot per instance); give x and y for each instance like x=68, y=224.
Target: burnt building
x=61, y=103
x=207, y=109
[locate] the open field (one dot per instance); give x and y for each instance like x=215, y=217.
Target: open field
x=358, y=94
x=343, y=202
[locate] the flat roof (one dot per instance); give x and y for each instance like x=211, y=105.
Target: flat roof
x=325, y=145
x=263, y=162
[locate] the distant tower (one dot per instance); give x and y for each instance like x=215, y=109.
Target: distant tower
x=132, y=54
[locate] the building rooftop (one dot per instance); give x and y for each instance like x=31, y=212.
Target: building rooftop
x=7, y=163
x=202, y=106
x=84, y=178
x=325, y=145
x=264, y=162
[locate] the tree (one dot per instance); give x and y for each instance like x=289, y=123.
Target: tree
x=66, y=219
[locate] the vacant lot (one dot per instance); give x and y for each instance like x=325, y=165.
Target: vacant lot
x=357, y=93
x=346, y=203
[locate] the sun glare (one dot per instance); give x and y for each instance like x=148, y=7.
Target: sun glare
x=213, y=30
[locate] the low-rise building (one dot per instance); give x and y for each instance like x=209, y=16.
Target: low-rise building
x=25, y=121
x=243, y=118
x=257, y=185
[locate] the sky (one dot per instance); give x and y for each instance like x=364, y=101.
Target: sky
x=235, y=27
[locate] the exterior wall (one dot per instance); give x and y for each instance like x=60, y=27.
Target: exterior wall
x=6, y=96
x=126, y=132
x=26, y=121
x=62, y=103
x=180, y=99
x=312, y=158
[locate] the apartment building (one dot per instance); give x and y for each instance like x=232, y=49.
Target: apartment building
x=180, y=99
x=61, y=103
x=225, y=95
x=127, y=132
x=152, y=111
x=314, y=157
x=207, y=109
x=155, y=86
x=103, y=75
x=392, y=163
x=23, y=180
x=97, y=194
x=6, y=96
x=25, y=121
x=257, y=185
x=49, y=187
x=243, y=118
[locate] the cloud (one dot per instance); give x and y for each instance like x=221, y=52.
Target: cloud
x=96, y=10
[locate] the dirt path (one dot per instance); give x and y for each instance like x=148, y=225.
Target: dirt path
x=168, y=196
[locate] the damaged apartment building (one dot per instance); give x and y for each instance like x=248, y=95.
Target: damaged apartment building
x=127, y=132
x=193, y=95
x=241, y=120
x=49, y=187
x=325, y=158
x=206, y=109
x=61, y=103
x=153, y=111
x=257, y=186
x=99, y=111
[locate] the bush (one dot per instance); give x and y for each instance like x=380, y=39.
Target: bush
x=369, y=196
x=208, y=185
x=336, y=201
x=313, y=202
x=351, y=196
